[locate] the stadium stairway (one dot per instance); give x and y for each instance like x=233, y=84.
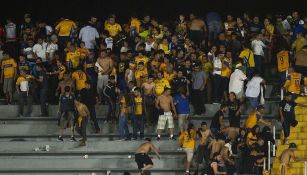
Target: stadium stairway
x=23, y=141
x=299, y=136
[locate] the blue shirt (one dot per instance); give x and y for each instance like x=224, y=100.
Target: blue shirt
x=182, y=104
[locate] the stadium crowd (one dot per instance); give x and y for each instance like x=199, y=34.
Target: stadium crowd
x=149, y=71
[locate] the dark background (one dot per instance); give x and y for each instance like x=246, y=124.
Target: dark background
x=51, y=10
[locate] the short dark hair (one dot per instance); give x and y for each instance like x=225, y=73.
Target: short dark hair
x=203, y=123
x=147, y=139
x=66, y=88
x=223, y=105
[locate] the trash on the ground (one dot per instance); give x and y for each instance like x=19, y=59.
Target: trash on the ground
x=85, y=156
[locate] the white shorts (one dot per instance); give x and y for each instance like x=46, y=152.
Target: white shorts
x=102, y=82
x=167, y=116
x=189, y=152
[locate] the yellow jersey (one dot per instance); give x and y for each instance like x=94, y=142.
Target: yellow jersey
x=62, y=70
x=293, y=82
x=74, y=58
x=252, y=138
x=282, y=61
x=169, y=75
x=83, y=51
x=65, y=27
x=80, y=78
x=165, y=48
x=123, y=105
x=113, y=29
x=20, y=79
x=8, y=67
x=160, y=85
x=188, y=141
x=139, y=59
x=138, y=108
x=141, y=76
x=253, y=119
x=226, y=67
x=248, y=54
x=135, y=23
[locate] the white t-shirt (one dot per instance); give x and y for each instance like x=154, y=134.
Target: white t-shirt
x=40, y=50
x=24, y=86
x=257, y=47
x=236, y=82
x=87, y=35
x=253, y=87
x=217, y=63
x=109, y=42
x=29, y=53
x=51, y=48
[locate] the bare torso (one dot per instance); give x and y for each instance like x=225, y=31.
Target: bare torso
x=148, y=88
x=105, y=64
x=82, y=110
x=216, y=147
x=203, y=140
x=165, y=102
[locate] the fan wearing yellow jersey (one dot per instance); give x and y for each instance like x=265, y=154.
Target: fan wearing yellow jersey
x=293, y=82
x=161, y=84
x=283, y=64
x=80, y=79
x=8, y=75
x=139, y=111
x=141, y=74
x=225, y=73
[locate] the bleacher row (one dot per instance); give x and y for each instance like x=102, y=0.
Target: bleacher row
x=23, y=142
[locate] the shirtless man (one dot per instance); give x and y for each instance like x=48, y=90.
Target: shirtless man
x=204, y=134
x=165, y=104
x=285, y=158
x=103, y=67
x=83, y=116
x=197, y=29
x=67, y=81
x=142, y=159
x=216, y=145
x=148, y=89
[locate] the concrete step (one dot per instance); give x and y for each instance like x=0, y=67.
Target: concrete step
x=114, y=171
x=68, y=163
x=92, y=147
x=101, y=110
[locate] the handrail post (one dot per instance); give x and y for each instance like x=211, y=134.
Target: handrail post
x=269, y=155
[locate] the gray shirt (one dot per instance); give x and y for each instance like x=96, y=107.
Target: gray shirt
x=198, y=79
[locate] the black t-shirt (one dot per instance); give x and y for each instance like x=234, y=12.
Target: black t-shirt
x=288, y=109
x=122, y=66
x=215, y=123
x=233, y=107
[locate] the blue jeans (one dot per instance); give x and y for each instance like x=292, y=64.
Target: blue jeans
x=258, y=64
x=43, y=101
x=123, y=127
x=92, y=111
x=250, y=72
x=253, y=101
x=138, y=125
x=214, y=28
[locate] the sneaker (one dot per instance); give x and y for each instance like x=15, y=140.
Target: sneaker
x=127, y=139
x=73, y=139
x=158, y=138
x=60, y=138
x=97, y=131
x=82, y=143
x=172, y=138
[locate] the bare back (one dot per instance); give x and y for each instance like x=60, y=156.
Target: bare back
x=197, y=24
x=286, y=156
x=82, y=110
x=144, y=148
x=65, y=83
